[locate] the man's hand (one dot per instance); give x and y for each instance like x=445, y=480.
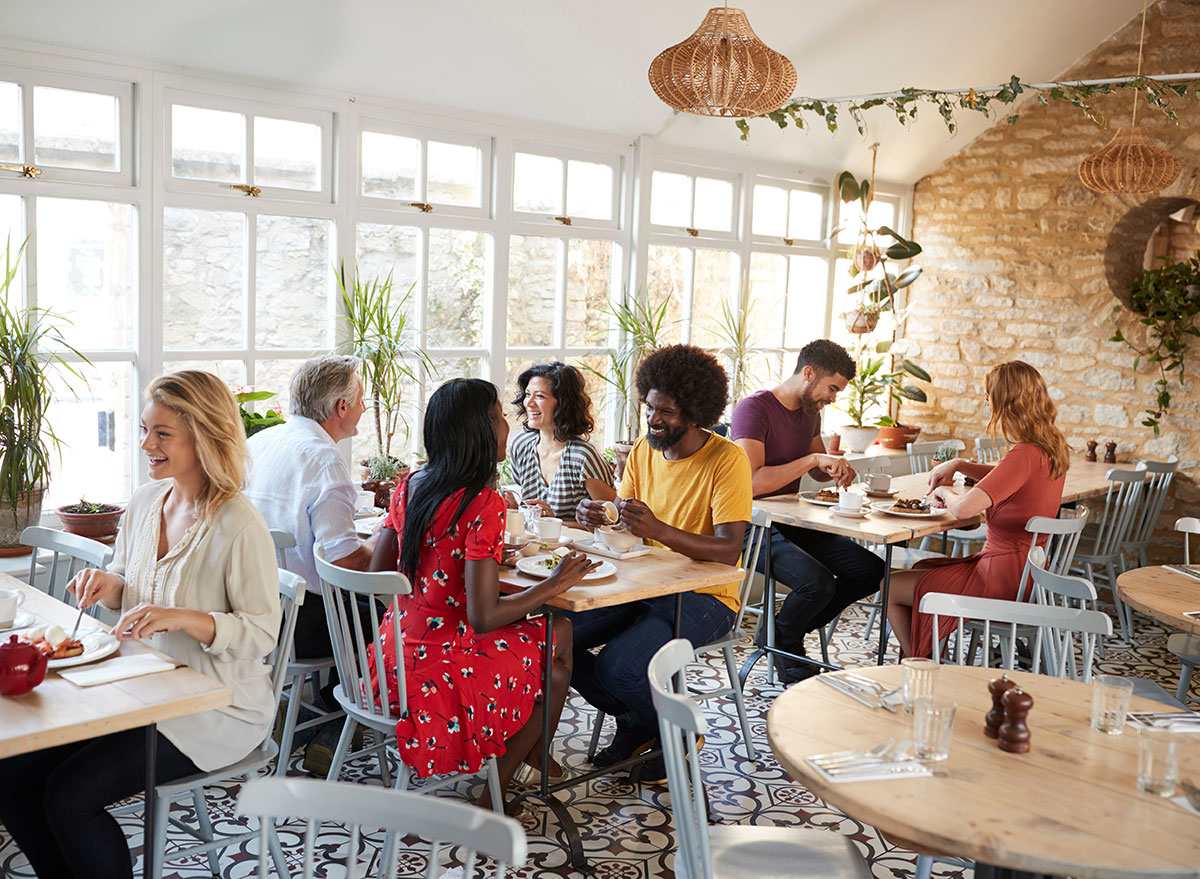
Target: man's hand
x=638, y=518
x=836, y=468
x=590, y=514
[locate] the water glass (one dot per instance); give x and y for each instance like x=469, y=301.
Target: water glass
x=531, y=512
x=1158, y=760
x=920, y=676
x=1110, y=703
x=933, y=727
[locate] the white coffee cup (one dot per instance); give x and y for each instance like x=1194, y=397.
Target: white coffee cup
x=850, y=500
x=514, y=524
x=364, y=500
x=879, y=482
x=10, y=600
x=548, y=528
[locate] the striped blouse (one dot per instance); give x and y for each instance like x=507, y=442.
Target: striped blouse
x=580, y=461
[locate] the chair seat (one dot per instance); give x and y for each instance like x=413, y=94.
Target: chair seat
x=979, y=532
x=741, y=850
x=1148, y=689
x=308, y=666
x=252, y=762
x=1186, y=647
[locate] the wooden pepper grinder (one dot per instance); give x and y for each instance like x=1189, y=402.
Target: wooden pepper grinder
x=1014, y=732
x=1091, y=450
x=1110, y=453
x=997, y=687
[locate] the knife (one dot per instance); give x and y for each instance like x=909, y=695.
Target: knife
x=857, y=695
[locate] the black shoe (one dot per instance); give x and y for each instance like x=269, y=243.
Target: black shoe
x=791, y=672
x=629, y=740
x=654, y=770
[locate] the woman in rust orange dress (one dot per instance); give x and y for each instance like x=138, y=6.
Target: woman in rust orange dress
x=1027, y=481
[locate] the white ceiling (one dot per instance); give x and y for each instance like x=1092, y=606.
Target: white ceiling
x=584, y=65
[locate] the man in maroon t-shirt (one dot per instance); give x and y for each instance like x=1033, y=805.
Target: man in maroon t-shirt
x=780, y=430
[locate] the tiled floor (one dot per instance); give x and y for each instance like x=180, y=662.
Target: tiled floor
x=627, y=828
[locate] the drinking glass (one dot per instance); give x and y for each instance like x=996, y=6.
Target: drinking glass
x=1158, y=760
x=1110, y=703
x=933, y=727
x=920, y=676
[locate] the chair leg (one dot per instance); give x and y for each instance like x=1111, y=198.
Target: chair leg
x=735, y=686
x=924, y=867
x=493, y=783
x=343, y=748
x=402, y=777
x=1120, y=605
x=200, y=803
x=162, y=812
x=1185, y=678
x=276, y=851
x=294, y=695
x=595, y=742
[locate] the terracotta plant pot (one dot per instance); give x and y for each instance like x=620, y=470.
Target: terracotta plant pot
x=13, y=522
x=856, y=439
x=383, y=488
x=97, y=526
x=866, y=258
x=623, y=449
x=859, y=322
x=898, y=437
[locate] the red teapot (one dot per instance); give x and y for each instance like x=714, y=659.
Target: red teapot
x=22, y=667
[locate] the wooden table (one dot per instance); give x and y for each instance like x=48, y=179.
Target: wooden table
x=57, y=712
x=1070, y=806
x=1163, y=595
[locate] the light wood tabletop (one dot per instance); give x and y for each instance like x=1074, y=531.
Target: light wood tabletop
x=659, y=572
x=57, y=712
x=1162, y=594
x=1070, y=806
x=1089, y=479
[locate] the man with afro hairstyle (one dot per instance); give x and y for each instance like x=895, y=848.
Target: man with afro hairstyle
x=684, y=488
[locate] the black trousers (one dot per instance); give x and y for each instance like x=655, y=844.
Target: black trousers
x=53, y=802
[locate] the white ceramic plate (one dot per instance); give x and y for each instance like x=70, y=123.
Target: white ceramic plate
x=850, y=514
x=535, y=566
x=96, y=645
x=22, y=620
x=366, y=527
x=811, y=497
x=887, y=508
x=885, y=495
x=547, y=545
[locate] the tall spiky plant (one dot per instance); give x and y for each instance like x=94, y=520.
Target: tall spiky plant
x=733, y=331
x=27, y=367
x=381, y=339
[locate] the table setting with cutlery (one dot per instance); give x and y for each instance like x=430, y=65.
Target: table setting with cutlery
x=889, y=759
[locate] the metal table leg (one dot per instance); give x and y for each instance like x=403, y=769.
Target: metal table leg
x=148, y=852
x=883, y=602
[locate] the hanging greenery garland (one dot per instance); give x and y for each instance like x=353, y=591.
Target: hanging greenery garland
x=1160, y=93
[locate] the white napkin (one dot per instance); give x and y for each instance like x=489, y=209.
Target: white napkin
x=879, y=772
x=116, y=669
x=1182, y=802
x=597, y=548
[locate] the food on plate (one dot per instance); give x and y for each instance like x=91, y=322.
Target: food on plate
x=909, y=505
x=54, y=643
x=551, y=561
x=827, y=494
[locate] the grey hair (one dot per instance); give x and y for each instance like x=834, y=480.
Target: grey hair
x=319, y=383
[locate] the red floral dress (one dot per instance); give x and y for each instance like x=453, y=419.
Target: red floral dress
x=467, y=692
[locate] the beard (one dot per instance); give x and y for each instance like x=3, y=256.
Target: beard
x=666, y=440
x=809, y=405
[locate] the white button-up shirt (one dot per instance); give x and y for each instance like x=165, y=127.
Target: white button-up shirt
x=301, y=484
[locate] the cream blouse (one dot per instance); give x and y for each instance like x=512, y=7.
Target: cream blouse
x=225, y=566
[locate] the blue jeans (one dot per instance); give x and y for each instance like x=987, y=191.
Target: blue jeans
x=615, y=680
x=826, y=573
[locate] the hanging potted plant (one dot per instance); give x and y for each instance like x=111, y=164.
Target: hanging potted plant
x=30, y=346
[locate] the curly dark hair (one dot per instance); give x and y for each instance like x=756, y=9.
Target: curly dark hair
x=572, y=407
x=691, y=377
x=826, y=357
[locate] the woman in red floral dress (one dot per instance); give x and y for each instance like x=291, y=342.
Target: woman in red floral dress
x=473, y=664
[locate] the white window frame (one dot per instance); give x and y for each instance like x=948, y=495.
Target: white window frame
x=695, y=232
x=324, y=120
x=424, y=135
x=28, y=79
x=789, y=185
x=566, y=155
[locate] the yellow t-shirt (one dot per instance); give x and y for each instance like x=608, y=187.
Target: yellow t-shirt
x=709, y=488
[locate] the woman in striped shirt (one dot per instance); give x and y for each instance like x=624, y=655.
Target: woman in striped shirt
x=553, y=461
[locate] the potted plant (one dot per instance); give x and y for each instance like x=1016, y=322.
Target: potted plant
x=31, y=348
x=253, y=422
x=384, y=474
x=380, y=337
x=733, y=331
x=97, y=521
x=872, y=388
x=893, y=434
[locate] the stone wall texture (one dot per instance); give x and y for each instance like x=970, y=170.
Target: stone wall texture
x=1015, y=266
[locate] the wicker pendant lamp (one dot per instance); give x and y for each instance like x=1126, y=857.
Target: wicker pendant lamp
x=1130, y=162
x=723, y=69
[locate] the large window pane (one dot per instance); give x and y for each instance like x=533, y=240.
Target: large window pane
x=715, y=279
x=85, y=269
x=537, y=184
x=454, y=174
x=589, y=286
x=768, y=298
x=589, y=190
x=770, y=211
x=10, y=122
x=12, y=233
x=671, y=199
x=806, y=215
x=207, y=144
x=533, y=282
x=390, y=165
x=74, y=129
x=882, y=213
x=293, y=286
x=383, y=248
x=95, y=419
x=714, y=205
x=665, y=278
x=204, y=279
x=454, y=308
x=808, y=282
x=446, y=368
x=275, y=376
x=232, y=372
x=287, y=153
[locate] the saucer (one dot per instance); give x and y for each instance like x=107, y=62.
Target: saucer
x=23, y=620
x=886, y=495
x=850, y=514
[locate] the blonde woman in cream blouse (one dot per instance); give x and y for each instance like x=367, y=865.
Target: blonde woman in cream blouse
x=194, y=575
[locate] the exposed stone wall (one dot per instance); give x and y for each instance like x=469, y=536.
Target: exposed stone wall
x=1015, y=265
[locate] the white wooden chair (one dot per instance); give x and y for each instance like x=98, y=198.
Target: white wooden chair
x=920, y=459
x=355, y=806
x=71, y=553
x=1102, y=551
x=1186, y=647
x=920, y=455
x=988, y=450
x=365, y=702
x=722, y=850
x=1145, y=517
x=300, y=672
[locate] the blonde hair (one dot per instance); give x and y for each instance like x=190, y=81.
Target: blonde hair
x=210, y=412
x=1023, y=412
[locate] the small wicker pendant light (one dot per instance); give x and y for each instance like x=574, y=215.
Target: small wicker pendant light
x=723, y=69
x=1130, y=162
